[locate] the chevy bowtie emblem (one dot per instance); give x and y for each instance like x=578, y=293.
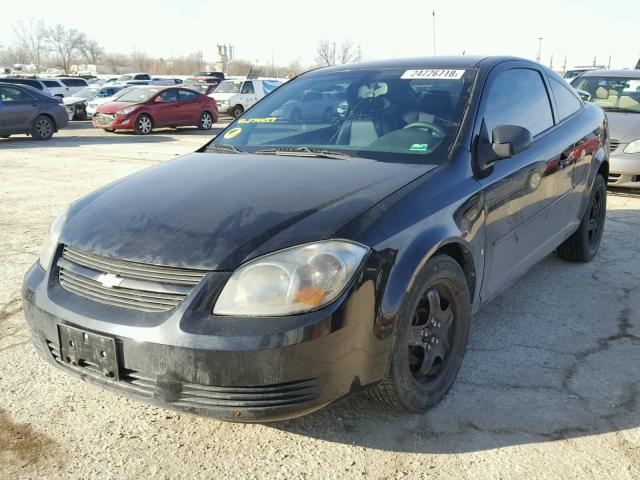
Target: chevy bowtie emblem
x=109, y=280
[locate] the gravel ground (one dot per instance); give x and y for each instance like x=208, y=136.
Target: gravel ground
x=550, y=387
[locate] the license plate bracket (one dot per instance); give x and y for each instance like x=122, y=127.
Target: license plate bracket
x=85, y=349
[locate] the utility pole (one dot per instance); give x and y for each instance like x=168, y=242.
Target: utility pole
x=564, y=65
x=609, y=66
x=551, y=62
x=434, y=32
x=539, y=49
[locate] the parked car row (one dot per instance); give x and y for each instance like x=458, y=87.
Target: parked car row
x=54, y=87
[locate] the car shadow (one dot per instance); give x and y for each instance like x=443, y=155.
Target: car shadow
x=554, y=357
x=68, y=139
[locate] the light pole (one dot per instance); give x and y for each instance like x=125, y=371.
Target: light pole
x=434, y=32
x=539, y=49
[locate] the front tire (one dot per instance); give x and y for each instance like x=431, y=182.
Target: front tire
x=206, y=121
x=431, y=338
x=583, y=245
x=42, y=128
x=110, y=130
x=144, y=124
x=237, y=111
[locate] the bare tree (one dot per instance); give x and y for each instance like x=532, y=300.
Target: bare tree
x=141, y=62
x=116, y=62
x=326, y=53
x=348, y=52
x=66, y=45
x=92, y=52
x=32, y=38
x=238, y=67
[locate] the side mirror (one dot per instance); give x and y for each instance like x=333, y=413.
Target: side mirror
x=507, y=141
x=584, y=95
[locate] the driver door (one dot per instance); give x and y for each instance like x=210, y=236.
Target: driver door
x=527, y=199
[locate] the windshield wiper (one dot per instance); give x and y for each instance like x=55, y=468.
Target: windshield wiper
x=620, y=109
x=306, y=152
x=225, y=147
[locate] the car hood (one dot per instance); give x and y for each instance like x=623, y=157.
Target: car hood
x=624, y=126
x=215, y=211
x=74, y=100
x=113, y=107
x=221, y=96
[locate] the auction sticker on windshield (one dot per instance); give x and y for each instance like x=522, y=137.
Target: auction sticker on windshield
x=433, y=74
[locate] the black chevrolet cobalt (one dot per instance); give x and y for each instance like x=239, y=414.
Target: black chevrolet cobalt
x=335, y=238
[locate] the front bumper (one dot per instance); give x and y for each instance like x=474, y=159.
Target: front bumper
x=624, y=169
x=223, y=108
x=227, y=369
x=112, y=121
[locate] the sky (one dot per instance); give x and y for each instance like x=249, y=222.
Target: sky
x=286, y=30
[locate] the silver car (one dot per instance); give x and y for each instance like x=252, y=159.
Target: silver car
x=618, y=93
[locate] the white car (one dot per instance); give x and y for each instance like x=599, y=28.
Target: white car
x=32, y=82
x=234, y=97
x=74, y=84
x=95, y=102
x=56, y=87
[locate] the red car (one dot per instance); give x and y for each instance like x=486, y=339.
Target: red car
x=145, y=108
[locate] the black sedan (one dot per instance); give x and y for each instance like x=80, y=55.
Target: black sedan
x=24, y=110
x=288, y=264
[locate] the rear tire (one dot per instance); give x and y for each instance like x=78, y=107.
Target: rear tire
x=431, y=338
x=42, y=128
x=110, y=130
x=583, y=245
x=144, y=124
x=237, y=111
x=206, y=121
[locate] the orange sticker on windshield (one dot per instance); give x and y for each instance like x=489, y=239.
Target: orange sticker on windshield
x=234, y=132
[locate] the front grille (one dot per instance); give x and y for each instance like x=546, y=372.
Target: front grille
x=104, y=118
x=125, y=284
x=613, y=145
x=282, y=394
x=192, y=396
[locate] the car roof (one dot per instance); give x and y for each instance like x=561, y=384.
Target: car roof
x=445, y=61
x=22, y=86
x=612, y=73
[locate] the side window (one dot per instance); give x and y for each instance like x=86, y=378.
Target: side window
x=169, y=96
x=51, y=84
x=519, y=97
x=143, y=77
x=568, y=102
x=247, y=87
x=186, y=95
x=10, y=94
x=270, y=85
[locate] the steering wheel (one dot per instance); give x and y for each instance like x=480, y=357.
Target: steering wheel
x=426, y=126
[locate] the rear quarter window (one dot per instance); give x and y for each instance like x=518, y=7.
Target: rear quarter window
x=51, y=83
x=567, y=101
x=74, y=82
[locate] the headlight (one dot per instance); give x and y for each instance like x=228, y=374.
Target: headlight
x=295, y=280
x=126, y=111
x=633, y=147
x=51, y=240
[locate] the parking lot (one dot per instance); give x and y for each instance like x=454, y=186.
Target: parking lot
x=549, y=388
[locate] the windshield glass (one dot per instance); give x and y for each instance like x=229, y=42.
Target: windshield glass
x=87, y=92
x=612, y=93
x=124, y=78
x=391, y=114
x=229, y=86
x=138, y=95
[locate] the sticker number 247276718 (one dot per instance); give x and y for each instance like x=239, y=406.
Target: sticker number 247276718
x=433, y=73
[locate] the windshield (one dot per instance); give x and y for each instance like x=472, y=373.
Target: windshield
x=138, y=95
x=229, y=86
x=87, y=92
x=389, y=114
x=612, y=93
x=124, y=78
